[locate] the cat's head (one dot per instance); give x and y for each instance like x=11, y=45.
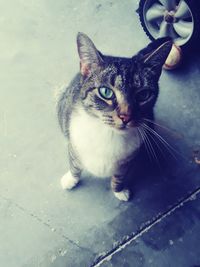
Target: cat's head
x=120, y=92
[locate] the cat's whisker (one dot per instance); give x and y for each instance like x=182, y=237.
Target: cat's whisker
x=171, y=150
x=159, y=136
x=110, y=124
x=144, y=141
x=151, y=148
x=159, y=125
x=148, y=145
x=107, y=116
x=107, y=120
x=157, y=145
x=140, y=134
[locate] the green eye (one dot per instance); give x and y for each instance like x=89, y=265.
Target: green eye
x=106, y=93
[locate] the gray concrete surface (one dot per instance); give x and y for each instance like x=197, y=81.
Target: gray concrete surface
x=171, y=242
x=41, y=225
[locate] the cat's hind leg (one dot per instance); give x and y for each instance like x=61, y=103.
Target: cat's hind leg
x=72, y=177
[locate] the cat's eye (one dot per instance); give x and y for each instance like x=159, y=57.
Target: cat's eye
x=106, y=93
x=143, y=95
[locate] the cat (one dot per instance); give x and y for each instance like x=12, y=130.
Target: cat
x=102, y=109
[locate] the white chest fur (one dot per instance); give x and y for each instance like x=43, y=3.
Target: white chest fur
x=100, y=147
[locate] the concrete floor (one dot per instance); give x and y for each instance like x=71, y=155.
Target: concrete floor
x=41, y=225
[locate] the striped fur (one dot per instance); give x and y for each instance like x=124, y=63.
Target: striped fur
x=102, y=133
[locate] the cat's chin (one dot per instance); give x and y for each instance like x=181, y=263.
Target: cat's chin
x=123, y=130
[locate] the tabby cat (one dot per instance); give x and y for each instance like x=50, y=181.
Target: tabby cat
x=102, y=109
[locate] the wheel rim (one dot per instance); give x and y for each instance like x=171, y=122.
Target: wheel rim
x=169, y=18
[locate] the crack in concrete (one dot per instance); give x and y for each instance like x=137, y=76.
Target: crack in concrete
x=46, y=224
x=133, y=236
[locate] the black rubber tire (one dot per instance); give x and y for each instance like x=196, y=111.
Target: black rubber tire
x=194, y=6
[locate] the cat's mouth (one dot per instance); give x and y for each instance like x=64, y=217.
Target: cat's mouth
x=125, y=127
x=122, y=127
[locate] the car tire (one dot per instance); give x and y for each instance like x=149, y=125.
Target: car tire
x=180, y=19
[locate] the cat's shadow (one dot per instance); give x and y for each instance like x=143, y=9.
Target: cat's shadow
x=155, y=175
x=159, y=179
x=146, y=169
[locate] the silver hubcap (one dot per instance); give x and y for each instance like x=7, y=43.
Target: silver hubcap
x=169, y=18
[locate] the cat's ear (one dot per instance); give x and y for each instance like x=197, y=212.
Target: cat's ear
x=156, y=53
x=90, y=58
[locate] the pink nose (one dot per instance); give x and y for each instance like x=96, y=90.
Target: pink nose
x=125, y=118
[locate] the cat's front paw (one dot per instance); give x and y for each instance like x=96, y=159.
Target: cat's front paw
x=68, y=181
x=123, y=195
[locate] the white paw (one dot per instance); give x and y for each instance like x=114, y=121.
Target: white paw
x=123, y=195
x=68, y=181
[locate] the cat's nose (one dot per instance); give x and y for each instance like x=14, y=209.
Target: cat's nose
x=125, y=118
